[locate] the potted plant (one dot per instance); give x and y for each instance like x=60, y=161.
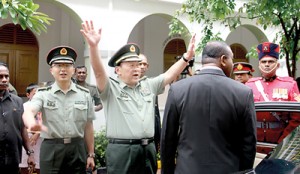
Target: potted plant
x=100, y=146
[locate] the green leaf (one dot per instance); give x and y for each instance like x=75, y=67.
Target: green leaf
x=4, y=13
x=12, y=12
x=22, y=22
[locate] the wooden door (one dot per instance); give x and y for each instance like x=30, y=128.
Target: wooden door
x=26, y=70
x=19, y=49
x=175, y=47
x=22, y=64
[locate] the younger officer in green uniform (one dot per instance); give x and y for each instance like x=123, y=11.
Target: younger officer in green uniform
x=129, y=104
x=80, y=77
x=67, y=118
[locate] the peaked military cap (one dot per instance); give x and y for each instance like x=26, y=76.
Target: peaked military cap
x=242, y=67
x=268, y=49
x=128, y=53
x=61, y=54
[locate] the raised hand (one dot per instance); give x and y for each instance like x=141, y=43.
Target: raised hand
x=191, y=49
x=92, y=37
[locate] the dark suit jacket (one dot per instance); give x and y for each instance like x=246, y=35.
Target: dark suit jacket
x=209, y=126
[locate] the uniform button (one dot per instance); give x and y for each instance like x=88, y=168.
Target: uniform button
x=264, y=119
x=265, y=131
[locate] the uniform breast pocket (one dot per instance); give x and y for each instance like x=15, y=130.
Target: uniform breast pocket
x=80, y=112
x=51, y=112
x=148, y=98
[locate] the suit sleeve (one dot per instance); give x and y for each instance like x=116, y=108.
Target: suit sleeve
x=169, y=135
x=249, y=135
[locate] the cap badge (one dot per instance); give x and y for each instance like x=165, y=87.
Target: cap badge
x=266, y=47
x=132, y=48
x=63, y=51
x=239, y=67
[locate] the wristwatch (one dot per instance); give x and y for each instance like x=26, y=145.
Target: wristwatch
x=185, y=59
x=91, y=155
x=29, y=152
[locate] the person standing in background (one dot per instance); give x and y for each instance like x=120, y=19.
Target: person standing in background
x=35, y=140
x=13, y=133
x=242, y=71
x=209, y=124
x=80, y=77
x=272, y=127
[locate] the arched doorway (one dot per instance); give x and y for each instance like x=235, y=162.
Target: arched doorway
x=239, y=53
x=174, y=48
x=19, y=49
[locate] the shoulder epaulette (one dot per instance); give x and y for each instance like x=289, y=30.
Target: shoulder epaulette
x=143, y=78
x=253, y=79
x=114, y=80
x=87, y=84
x=83, y=88
x=46, y=88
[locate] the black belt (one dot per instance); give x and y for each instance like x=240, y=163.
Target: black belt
x=143, y=141
x=63, y=140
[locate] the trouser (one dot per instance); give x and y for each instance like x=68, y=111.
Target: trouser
x=131, y=159
x=63, y=157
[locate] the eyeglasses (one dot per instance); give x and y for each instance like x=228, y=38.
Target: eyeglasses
x=62, y=65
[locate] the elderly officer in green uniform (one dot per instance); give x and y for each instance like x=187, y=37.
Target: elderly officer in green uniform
x=67, y=118
x=129, y=104
x=80, y=77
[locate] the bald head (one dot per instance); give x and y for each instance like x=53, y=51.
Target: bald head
x=214, y=50
x=218, y=53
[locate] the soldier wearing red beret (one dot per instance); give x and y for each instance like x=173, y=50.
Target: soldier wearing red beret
x=272, y=127
x=242, y=71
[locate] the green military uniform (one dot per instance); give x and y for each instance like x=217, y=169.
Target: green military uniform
x=130, y=115
x=94, y=93
x=66, y=115
x=130, y=119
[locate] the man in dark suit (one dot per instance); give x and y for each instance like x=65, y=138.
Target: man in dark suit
x=209, y=120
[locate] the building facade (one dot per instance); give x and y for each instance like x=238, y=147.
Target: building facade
x=144, y=22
